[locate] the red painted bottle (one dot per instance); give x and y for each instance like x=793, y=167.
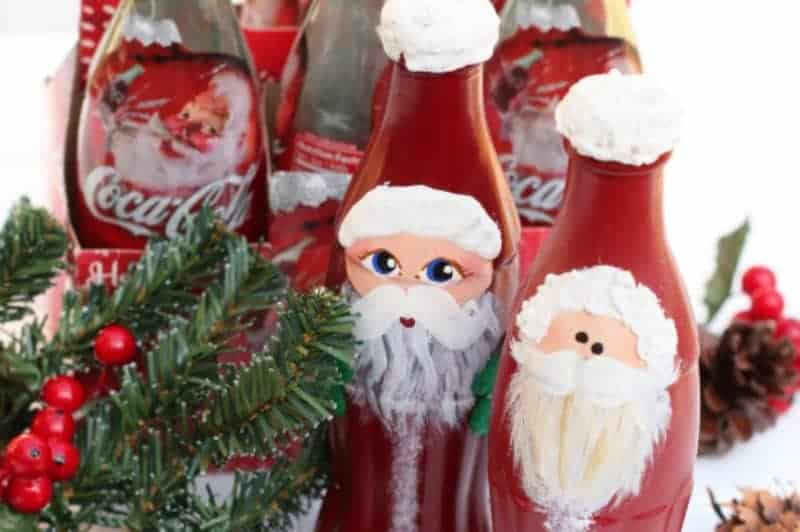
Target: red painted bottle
x=427, y=254
x=171, y=121
x=545, y=48
x=595, y=415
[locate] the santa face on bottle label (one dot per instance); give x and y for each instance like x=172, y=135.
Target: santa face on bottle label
x=526, y=79
x=419, y=265
x=165, y=132
x=589, y=403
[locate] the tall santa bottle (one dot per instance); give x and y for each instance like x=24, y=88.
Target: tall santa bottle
x=427, y=254
x=595, y=415
x=171, y=121
x=546, y=46
x=322, y=126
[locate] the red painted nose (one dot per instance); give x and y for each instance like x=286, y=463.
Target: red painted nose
x=408, y=322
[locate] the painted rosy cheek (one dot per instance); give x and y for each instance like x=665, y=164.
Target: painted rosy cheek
x=441, y=272
x=382, y=263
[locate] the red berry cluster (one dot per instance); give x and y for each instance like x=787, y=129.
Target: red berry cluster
x=760, y=283
x=33, y=460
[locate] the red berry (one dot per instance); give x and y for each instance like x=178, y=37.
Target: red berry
x=780, y=405
x=743, y=316
x=64, y=392
x=28, y=455
x=66, y=459
x=5, y=478
x=53, y=423
x=115, y=345
x=29, y=495
x=758, y=278
x=790, y=329
x=767, y=305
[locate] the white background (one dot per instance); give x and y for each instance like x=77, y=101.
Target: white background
x=735, y=65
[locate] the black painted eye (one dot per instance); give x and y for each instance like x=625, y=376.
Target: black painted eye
x=582, y=337
x=597, y=348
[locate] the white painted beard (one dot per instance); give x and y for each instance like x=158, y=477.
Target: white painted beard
x=407, y=372
x=583, y=431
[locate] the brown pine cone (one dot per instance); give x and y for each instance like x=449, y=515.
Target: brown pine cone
x=759, y=511
x=739, y=373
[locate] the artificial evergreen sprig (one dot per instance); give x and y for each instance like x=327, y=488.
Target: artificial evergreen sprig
x=145, y=447
x=268, y=501
x=32, y=246
x=290, y=389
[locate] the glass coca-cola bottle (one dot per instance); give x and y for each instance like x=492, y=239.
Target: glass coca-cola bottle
x=546, y=46
x=322, y=127
x=427, y=255
x=171, y=121
x=270, y=28
x=595, y=417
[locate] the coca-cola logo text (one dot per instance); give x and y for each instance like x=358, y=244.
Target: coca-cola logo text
x=110, y=200
x=538, y=198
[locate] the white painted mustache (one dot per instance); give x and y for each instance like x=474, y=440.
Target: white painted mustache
x=453, y=326
x=603, y=380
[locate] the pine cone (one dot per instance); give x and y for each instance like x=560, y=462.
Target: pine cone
x=739, y=373
x=759, y=511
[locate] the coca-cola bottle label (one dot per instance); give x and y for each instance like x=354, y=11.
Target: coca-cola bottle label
x=548, y=47
x=303, y=202
x=164, y=132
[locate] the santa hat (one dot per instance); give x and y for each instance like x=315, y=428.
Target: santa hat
x=613, y=293
x=422, y=211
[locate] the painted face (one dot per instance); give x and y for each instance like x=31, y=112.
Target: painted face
x=591, y=336
x=408, y=260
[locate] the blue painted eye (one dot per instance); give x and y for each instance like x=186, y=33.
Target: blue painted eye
x=382, y=263
x=441, y=271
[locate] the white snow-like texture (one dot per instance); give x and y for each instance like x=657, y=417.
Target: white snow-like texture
x=614, y=293
x=405, y=476
x=546, y=15
x=439, y=35
x=148, y=31
x=629, y=119
x=422, y=211
x=290, y=190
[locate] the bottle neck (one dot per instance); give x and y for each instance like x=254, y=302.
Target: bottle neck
x=435, y=108
x=614, y=198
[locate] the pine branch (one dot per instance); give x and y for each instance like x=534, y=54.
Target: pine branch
x=288, y=391
x=269, y=501
x=32, y=245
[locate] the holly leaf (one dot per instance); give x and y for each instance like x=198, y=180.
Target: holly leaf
x=729, y=252
x=483, y=388
x=11, y=521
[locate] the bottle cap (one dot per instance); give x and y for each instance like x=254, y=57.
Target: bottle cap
x=629, y=119
x=439, y=35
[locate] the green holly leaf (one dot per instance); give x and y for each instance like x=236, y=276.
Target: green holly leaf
x=483, y=385
x=729, y=252
x=483, y=388
x=480, y=416
x=11, y=521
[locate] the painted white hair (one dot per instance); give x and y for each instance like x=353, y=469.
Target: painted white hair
x=610, y=292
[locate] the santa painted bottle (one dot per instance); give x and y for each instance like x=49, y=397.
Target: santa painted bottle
x=595, y=415
x=171, y=121
x=322, y=127
x=546, y=46
x=427, y=253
